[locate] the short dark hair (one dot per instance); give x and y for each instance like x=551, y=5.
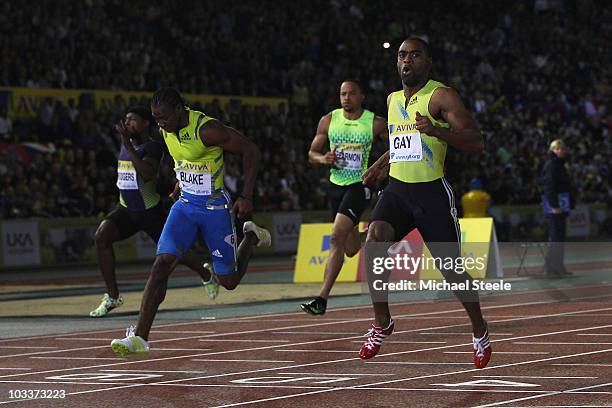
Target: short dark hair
x=424, y=43
x=167, y=96
x=140, y=110
x=356, y=82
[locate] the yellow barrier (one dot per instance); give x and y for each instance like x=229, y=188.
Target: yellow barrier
x=313, y=250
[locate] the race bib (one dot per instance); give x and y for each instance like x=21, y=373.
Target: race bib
x=349, y=156
x=126, y=176
x=194, y=178
x=405, y=147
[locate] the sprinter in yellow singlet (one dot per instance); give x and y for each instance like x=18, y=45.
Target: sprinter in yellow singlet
x=347, y=135
x=424, y=117
x=203, y=208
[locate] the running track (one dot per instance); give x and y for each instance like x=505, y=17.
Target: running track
x=551, y=348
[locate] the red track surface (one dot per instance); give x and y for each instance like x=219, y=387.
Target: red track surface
x=547, y=352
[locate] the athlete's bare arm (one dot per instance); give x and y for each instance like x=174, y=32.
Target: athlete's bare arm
x=215, y=133
x=320, y=143
x=464, y=133
x=380, y=169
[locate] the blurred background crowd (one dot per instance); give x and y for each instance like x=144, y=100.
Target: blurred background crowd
x=530, y=72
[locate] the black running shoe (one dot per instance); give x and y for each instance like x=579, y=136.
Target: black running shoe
x=315, y=307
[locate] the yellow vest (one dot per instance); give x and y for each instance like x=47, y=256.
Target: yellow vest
x=415, y=157
x=199, y=168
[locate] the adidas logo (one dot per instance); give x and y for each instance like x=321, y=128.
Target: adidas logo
x=217, y=253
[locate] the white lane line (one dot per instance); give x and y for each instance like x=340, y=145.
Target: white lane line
x=183, y=331
x=415, y=363
x=155, y=371
x=15, y=368
x=82, y=338
x=244, y=341
x=552, y=393
x=59, y=382
x=500, y=352
x=405, y=341
x=465, y=334
x=26, y=347
x=528, y=376
x=78, y=358
x=321, y=333
x=491, y=391
x=315, y=351
x=558, y=343
x=243, y=361
x=182, y=349
x=338, y=374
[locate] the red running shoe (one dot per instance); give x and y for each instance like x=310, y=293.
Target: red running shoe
x=375, y=336
x=482, y=350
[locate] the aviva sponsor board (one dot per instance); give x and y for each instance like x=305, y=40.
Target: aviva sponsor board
x=313, y=251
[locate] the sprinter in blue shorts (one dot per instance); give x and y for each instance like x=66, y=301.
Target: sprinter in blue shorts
x=196, y=143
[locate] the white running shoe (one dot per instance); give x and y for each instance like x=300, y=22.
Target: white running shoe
x=131, y=344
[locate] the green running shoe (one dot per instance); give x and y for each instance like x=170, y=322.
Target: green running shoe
x=107, y=304
x=316, y=306
x=212, y=286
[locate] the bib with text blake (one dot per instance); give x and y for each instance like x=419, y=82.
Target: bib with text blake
x=405, y=147
x=126, y=176
x=194, y=178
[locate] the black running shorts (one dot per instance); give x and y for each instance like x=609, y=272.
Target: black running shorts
x=129, y=222
x=428, y=206
x=351, y=200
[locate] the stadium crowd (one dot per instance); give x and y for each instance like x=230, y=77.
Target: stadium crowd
x=530, y=71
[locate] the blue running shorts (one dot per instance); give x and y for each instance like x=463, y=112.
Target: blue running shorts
x=213, y=222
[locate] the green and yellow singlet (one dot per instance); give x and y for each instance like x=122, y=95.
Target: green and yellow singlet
x=352, y=141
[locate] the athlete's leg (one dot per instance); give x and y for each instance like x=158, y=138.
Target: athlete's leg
x=178, y=235
x=106, y=234
x=119, y=224
x=243, y=255
x=155, y=292
x=354, y=241
x=194, y=262
x=220, y=234
x=343, y=227
x=438, y=224
x=379, y=232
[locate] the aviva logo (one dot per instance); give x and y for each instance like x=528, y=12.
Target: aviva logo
x=403, y=111
x=197, y=167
